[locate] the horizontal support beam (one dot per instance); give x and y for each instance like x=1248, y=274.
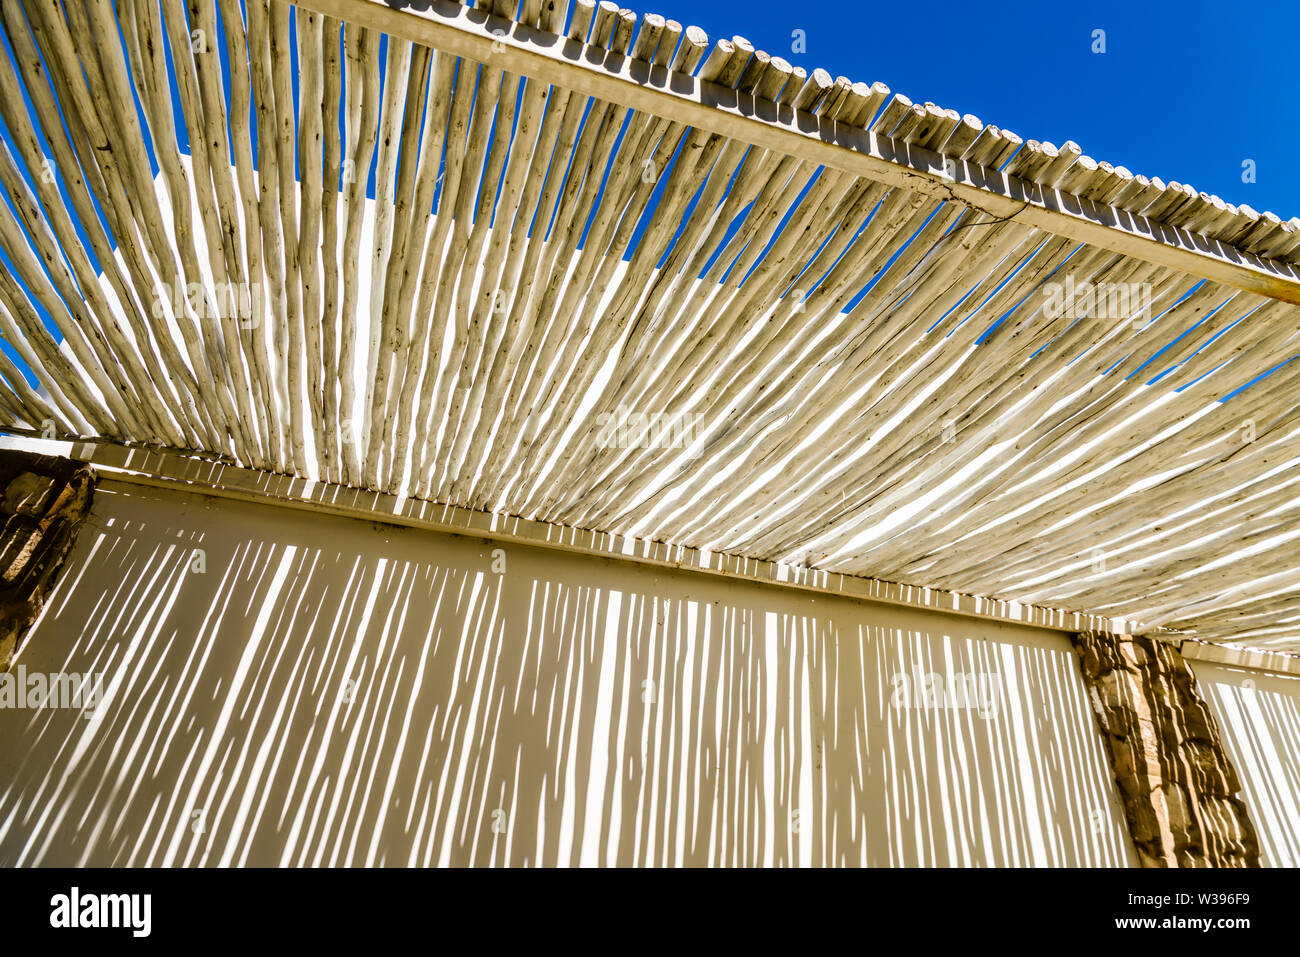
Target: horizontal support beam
x=206, y=477
x=1273, y=661
x=175, y=471
x=619, y=79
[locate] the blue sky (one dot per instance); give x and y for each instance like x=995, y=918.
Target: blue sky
x=1185, y=90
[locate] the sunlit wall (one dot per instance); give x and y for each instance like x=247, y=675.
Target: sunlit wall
x=1258, y=714
x=282, y=687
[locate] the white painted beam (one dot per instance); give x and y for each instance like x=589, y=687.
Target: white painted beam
x=619, y=79
x=1241, y=657
x=205, y=476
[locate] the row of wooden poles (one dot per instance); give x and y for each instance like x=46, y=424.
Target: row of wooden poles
x=539, y=259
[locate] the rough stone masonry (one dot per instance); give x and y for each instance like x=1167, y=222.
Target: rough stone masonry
x=1179, y=790
x=43, y=500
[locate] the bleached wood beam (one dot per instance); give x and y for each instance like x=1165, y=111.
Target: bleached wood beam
x=162, y=469
x=718, y=108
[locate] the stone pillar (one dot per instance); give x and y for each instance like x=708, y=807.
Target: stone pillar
x=42, y=502
x=1178, y=787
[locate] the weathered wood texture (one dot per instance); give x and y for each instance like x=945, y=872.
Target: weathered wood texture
x=573, y=266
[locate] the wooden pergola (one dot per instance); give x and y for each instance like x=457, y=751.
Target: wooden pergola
x=424, y=249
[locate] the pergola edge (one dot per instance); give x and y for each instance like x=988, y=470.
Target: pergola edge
x=204, y=476
x=625, y=81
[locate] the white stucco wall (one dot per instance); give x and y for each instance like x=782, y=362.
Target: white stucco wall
x=1258, y=714
x=328, y=691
